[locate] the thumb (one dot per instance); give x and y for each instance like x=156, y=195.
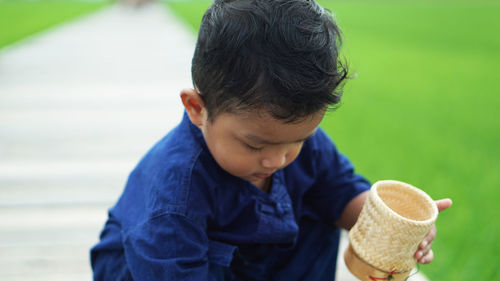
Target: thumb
x=443, y=204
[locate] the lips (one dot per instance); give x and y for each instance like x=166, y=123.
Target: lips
x=262, y=176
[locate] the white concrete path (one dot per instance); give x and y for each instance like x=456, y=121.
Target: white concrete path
x=79, y=105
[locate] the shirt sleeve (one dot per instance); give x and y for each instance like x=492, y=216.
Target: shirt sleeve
x=167, y=247
x=336, y=182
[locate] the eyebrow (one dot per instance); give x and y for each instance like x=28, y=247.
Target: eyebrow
x=263, y=141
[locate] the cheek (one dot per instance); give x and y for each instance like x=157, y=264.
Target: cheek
x=233, y=158
x=242, y=164
x=237, y=164
x=293, y=153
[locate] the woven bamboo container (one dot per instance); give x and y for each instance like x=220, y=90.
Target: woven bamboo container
x=393, y=222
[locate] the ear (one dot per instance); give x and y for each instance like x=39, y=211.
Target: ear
x=194, y=105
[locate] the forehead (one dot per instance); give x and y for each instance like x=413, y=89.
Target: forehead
x=262, y=127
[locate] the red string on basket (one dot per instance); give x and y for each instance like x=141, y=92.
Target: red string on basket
x=383, y=278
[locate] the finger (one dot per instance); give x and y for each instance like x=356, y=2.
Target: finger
x=426, y=243
x=443, y=204
x=426, y=249
x=429, y=237
x=421, y=252
x=426, y=258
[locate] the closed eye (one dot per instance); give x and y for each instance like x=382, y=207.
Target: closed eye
x=252, y=148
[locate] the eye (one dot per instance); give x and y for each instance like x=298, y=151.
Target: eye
x=253, y=148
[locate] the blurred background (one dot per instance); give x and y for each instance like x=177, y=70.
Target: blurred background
x=86, y=87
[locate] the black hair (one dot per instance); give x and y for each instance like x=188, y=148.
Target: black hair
x=277, y=55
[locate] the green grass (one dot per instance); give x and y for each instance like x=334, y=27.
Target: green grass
x=20, y=19
x=423, y=109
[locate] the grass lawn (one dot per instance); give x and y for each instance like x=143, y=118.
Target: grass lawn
x=22, y=18
x=423, y=109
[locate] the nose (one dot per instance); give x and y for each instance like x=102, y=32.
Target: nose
x=274, y=160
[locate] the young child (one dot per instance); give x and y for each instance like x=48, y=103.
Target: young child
x=246, y=187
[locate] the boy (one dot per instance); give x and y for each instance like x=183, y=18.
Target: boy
x=246, y=187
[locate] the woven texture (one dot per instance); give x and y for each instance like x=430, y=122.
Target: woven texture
x=394, y=220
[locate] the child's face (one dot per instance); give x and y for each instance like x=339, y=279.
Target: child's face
x=254, y=145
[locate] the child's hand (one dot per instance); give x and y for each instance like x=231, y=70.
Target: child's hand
x=424, y=254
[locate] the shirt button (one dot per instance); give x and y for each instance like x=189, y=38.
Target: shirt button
x=280, y=210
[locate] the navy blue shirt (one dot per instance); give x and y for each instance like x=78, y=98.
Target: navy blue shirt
x=182, y=217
